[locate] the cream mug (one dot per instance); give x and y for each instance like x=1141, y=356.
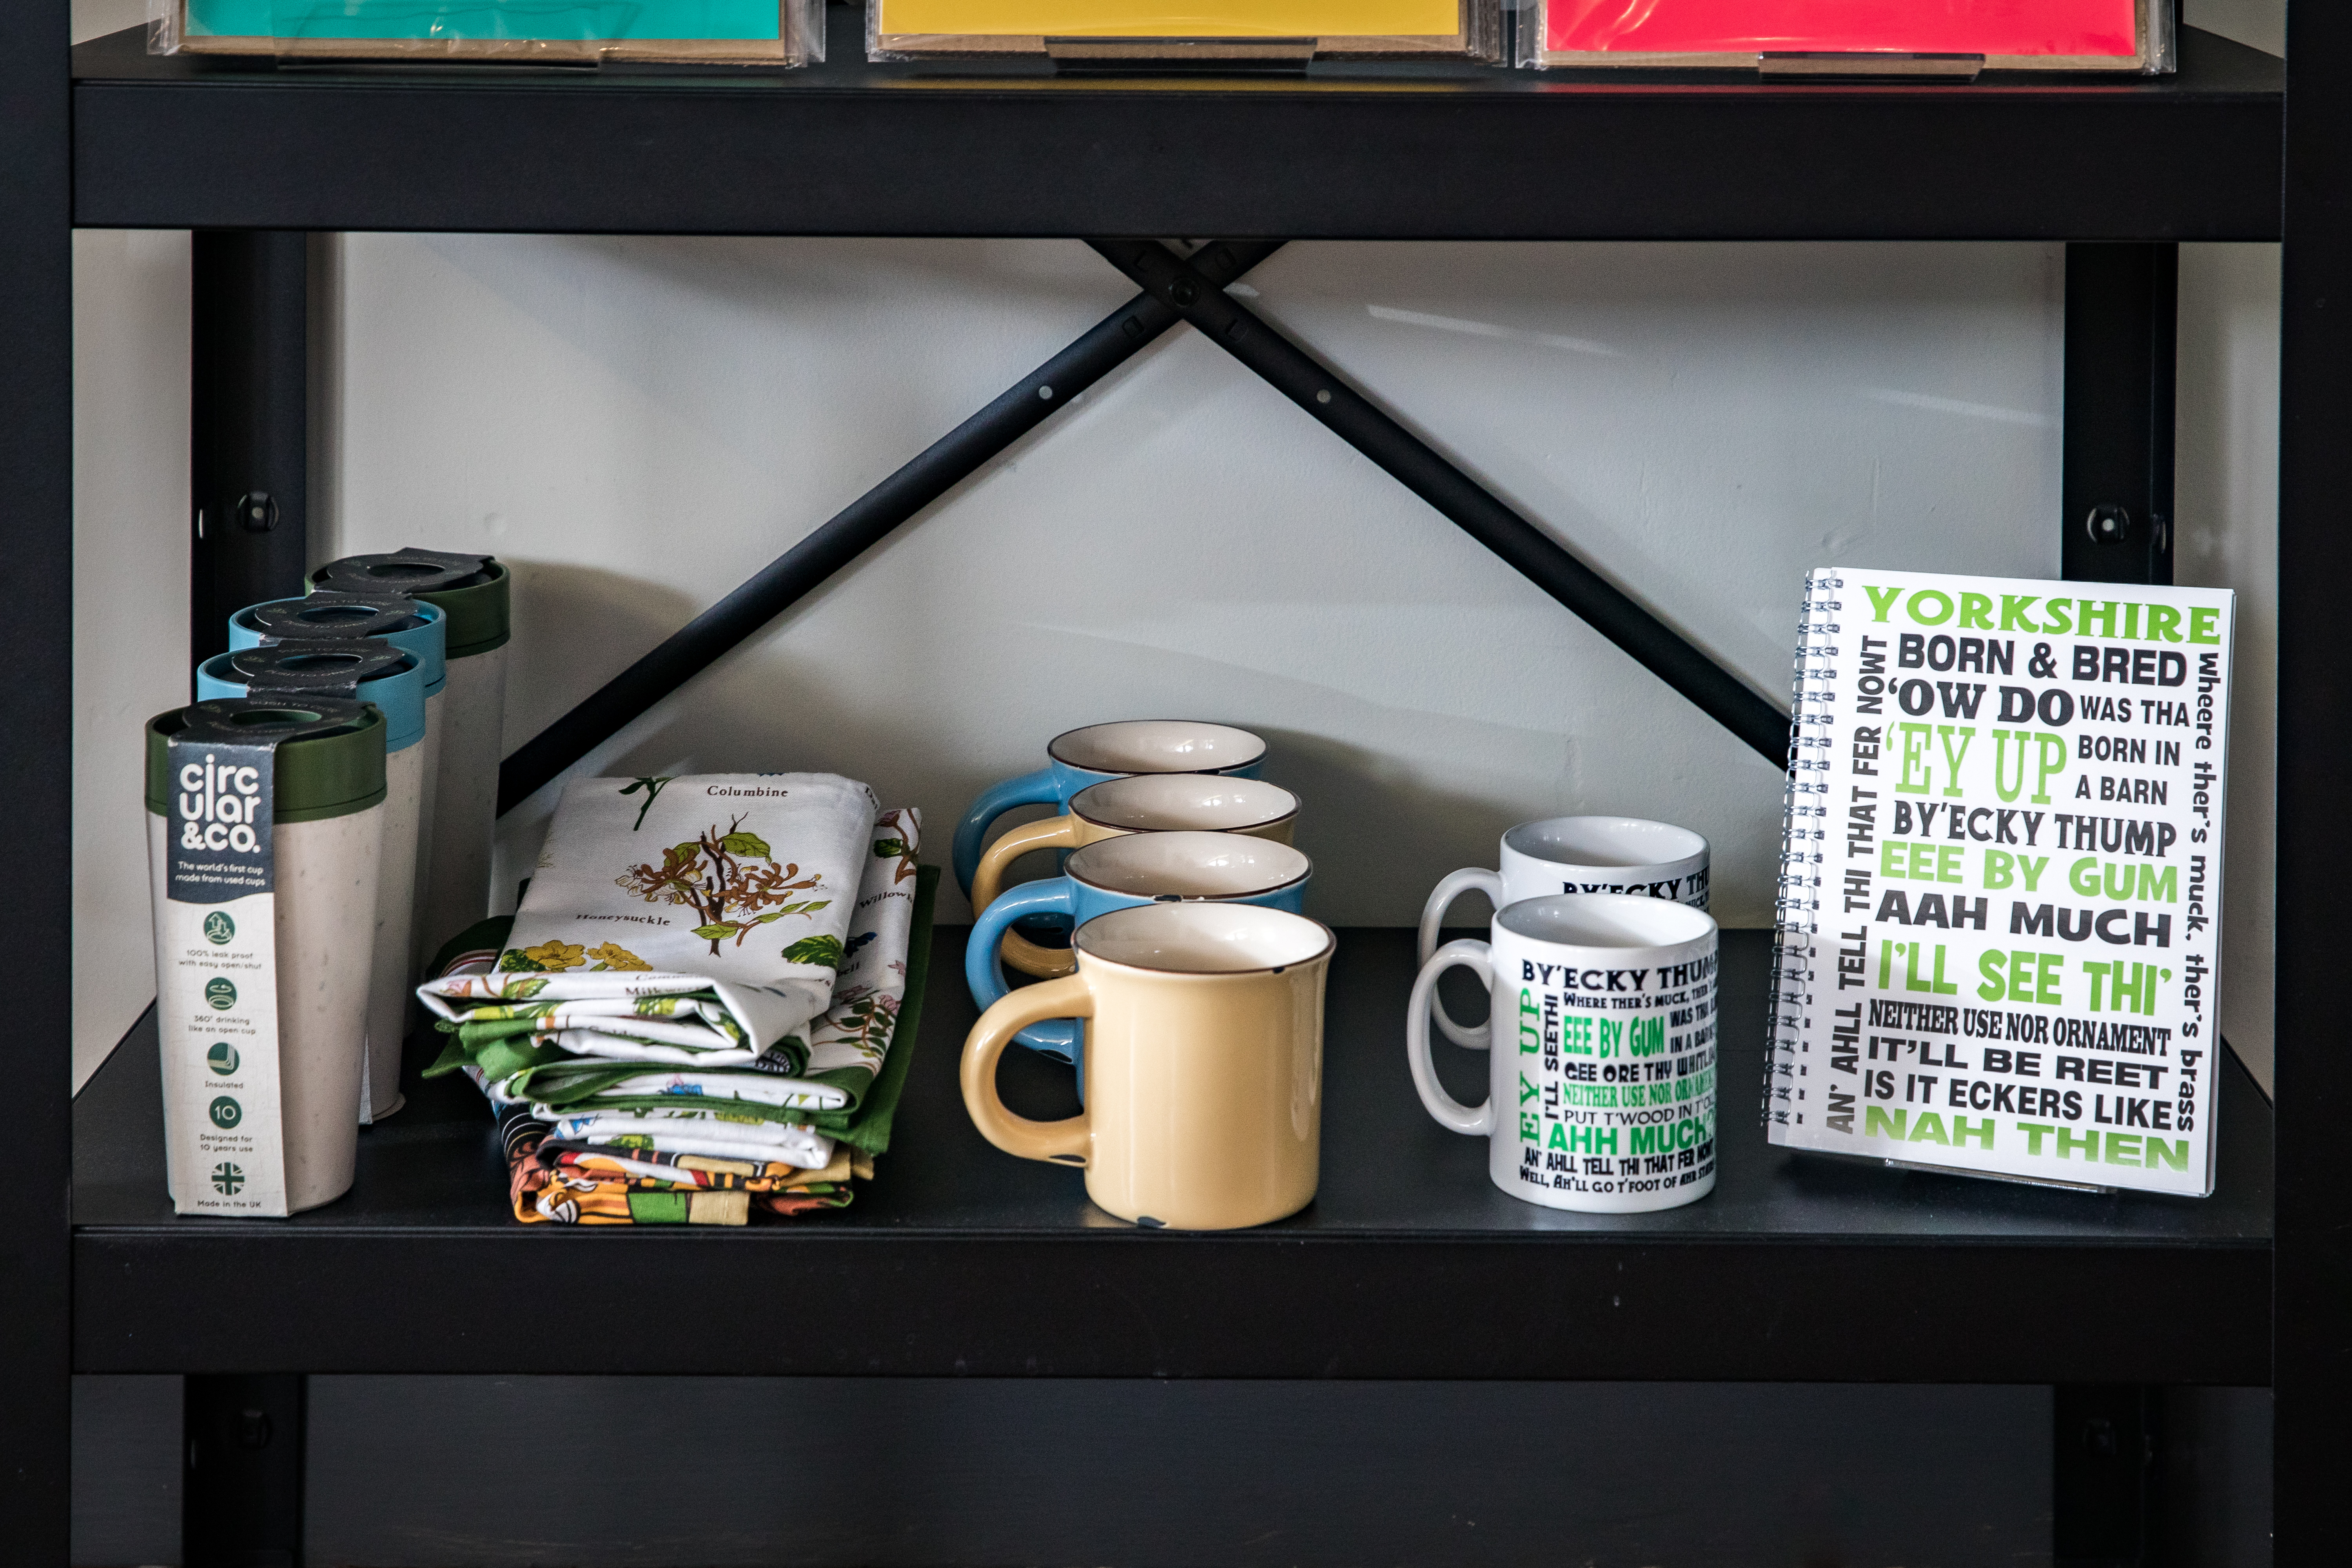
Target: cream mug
x=1203, y=1064
x=1146, y=803
x=1600, y=1089
x=1572, y=855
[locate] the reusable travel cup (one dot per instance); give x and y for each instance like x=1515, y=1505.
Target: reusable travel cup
x=1601, y=1085
x=409, y=624
x=1203, y=1064
x=264, y=829
x=1078, y=758
x=472, y=591
x=1572, y=855
x=1119, y=873
x=1145, y=802
x=372, y=670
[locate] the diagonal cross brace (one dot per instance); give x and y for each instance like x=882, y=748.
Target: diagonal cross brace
x=856, y=529
x=1175, y=290
x=1227, y=322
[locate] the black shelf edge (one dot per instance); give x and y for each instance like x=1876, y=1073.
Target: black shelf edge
x=1199, y=1308
x=963, y=1261
x=1367, y=152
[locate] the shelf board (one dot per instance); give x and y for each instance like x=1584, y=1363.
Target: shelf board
x=1364, y=151
x=961, y=1260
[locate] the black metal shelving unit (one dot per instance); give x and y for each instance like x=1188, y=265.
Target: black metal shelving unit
x=1964, y=1282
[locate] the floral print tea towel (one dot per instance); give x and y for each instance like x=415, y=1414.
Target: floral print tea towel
x=820, y=1078
x=699, y=919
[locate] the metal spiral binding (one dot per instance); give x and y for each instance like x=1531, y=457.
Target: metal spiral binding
x=1797, y=898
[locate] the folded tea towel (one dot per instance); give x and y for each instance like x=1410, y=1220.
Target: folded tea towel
x=760, y=1092
x=823, y=1079
x=693, y=920
x=653, y=1019
x=855, y=1056
x=546, y=1183
x=699, y=1132
x=680, y=1170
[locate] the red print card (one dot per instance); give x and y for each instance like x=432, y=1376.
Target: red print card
x=2082, y=29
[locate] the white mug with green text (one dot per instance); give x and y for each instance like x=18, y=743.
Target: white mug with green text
x=1572, y=855
x=1602, y=1076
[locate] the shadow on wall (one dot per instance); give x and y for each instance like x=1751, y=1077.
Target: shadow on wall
x=1359, y=806
x=563, y=610
x=755, y=711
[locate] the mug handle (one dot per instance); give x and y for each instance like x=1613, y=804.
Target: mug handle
x=1050, y=897
x=1044, y=962
x=1064, y=1142
x=1470, y=879
x=988, y=877
x=1040, y=788
x=1451, y=1113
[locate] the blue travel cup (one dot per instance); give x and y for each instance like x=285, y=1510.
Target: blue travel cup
x=409, y=624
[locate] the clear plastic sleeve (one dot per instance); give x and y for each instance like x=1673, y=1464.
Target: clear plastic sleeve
x=1199, y=32
x=713, y=32
x=1800, y=38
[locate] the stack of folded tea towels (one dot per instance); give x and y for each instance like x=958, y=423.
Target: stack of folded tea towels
x=693, y=1012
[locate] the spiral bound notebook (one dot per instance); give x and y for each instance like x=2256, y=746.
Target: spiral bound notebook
x=1999, y=907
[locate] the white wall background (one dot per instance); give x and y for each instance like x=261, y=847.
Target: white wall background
x=2226, y=494
x=131, y=603
x=636, y=424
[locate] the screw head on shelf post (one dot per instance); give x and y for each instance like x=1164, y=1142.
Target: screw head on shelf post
x=2107, y=525
x=257, y=512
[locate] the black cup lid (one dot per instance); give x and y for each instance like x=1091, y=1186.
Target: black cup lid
x=329, y=669
x=333, y=617
x=410, y=571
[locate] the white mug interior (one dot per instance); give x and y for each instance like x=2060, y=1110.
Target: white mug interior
x=1203, y=938
x=1604, y=841
x=1156, y=746
x=1608, y=921
x=1188, y=865
x=1164, y=803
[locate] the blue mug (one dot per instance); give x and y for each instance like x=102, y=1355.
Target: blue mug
x=1099, y=752
x=1120, y=873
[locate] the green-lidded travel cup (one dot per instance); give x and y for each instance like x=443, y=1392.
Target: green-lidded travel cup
x=474, y=592
x=264, y=917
